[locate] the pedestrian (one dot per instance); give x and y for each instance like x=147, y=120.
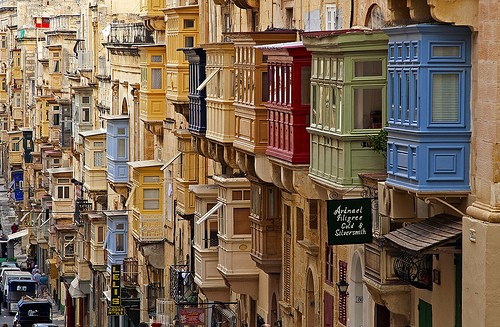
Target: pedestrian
x=44, y=287
x=35, y=270
x=36, y=277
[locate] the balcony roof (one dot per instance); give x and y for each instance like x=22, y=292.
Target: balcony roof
x=145, y=163
x=93, y=132
x=427, y=234
x=63, y=170
x=115, y=117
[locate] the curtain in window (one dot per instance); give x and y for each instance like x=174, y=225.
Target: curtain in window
x=445, y=102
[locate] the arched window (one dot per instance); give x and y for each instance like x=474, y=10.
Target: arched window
x=124, y=107
x=375, y=18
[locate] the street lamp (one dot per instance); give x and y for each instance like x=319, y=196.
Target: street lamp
x=342, y=285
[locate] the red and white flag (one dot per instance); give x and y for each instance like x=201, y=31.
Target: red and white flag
x=42, y=22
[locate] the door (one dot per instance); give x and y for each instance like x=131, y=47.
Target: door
x=382, y=316
x=424, y=314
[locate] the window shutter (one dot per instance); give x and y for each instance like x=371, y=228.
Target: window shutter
x=445, y=98
x=343, y=298
x=287, y=245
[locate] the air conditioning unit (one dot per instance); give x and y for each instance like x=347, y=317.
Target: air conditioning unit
x=395, y=204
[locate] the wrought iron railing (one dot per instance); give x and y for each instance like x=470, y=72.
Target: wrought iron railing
x=182, y=286
x=81, y=206
x=416, y=269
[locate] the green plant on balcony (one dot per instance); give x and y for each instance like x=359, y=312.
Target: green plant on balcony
x=378, y=142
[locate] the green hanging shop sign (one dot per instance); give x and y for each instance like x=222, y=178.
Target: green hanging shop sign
x=349, y=221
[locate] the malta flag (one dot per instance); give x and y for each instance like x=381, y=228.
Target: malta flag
x=42, y=22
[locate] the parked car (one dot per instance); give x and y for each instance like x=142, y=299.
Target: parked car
x=32, y=312
x=18, y=288
x=7, y=277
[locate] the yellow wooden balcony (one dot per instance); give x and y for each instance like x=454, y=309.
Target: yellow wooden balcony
x=181, y=32
x=148, y=227
x=152, y=8
x=16, y=64
x=188, y=173
x=152, y=90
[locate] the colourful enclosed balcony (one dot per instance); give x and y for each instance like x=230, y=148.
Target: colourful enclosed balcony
x=181, y=32
x=429, y=108
x=55, y=67
x=146, y=201
x=116, y=237
x=187, y=173
x=289, y=73
x=15, y=148
x=16, y=64
x=152, y=91
x=196, y=58
x=152, y=14
x=348, y=101
x=117, y=152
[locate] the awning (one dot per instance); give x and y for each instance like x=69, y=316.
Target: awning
x=170, y=161
x=205, y=82
x=209, y=213
x=74, y=289
x=427, y=234
x=18, y=234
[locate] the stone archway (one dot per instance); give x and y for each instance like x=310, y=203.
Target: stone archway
x=310, y=301
x=356, y=298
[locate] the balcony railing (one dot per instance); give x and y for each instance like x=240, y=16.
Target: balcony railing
x=81, y=206
x=130, y=34
x=182, y=286
x=165, y=311
x=155, y=291
x=130, y=272
x=148, y=228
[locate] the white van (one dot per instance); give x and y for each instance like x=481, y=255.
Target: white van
x=11, y=275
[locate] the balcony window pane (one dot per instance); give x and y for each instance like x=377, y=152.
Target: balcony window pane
x=241, y=221
x=367, y=108
x=56, y=119
x=265, y=87
x=368, y=68
x=305, y=85
x=445, y=98
x=100, y=234
x=86, y=115
x=156, y=78
x=120, y=242
x=121, y=152
x=98, y=159
x=151, y=199
x=446, y=51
